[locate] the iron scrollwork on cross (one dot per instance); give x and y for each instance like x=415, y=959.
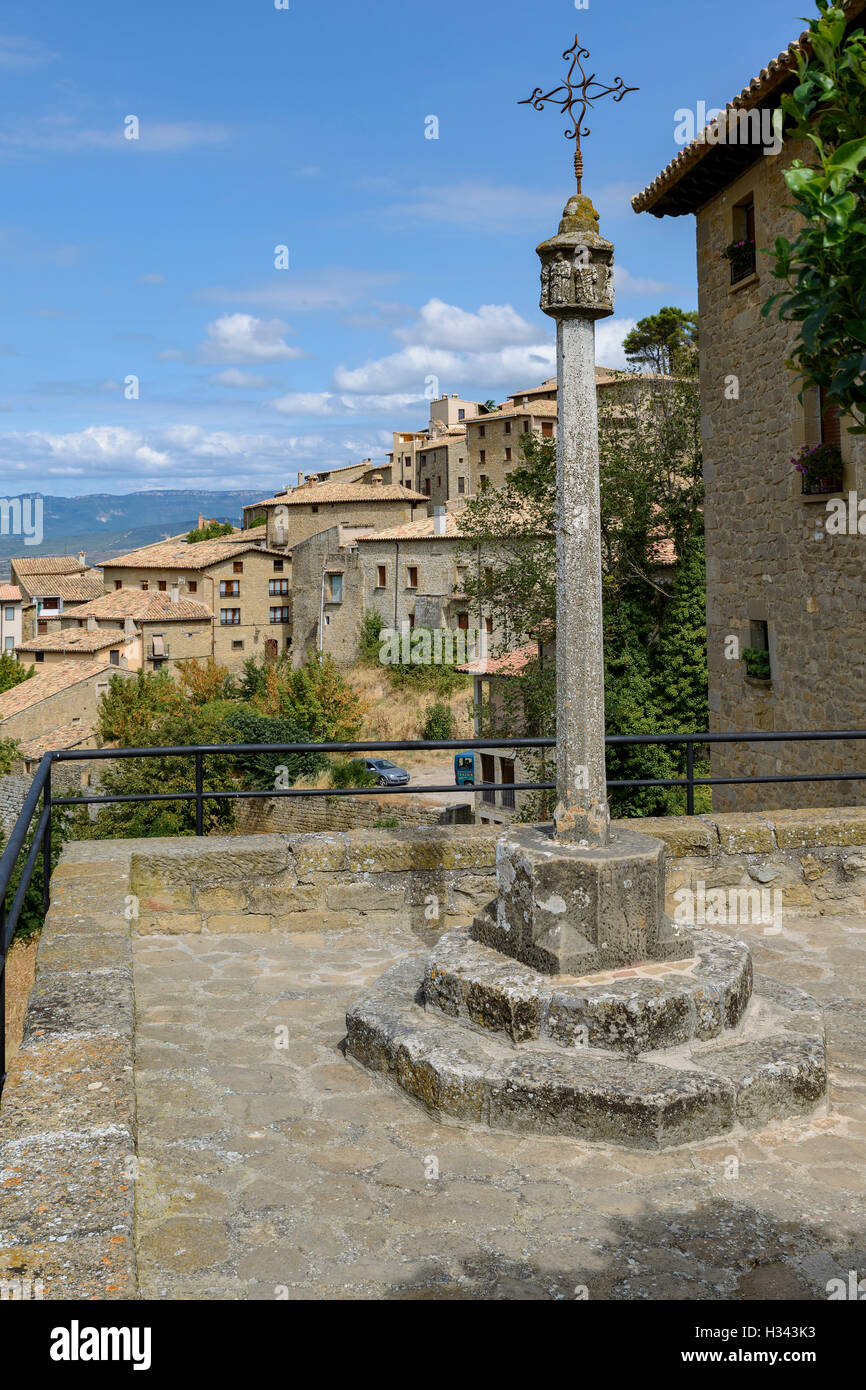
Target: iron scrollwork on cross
x=574, y=98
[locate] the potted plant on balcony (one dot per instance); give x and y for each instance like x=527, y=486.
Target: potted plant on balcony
x=757, y=663
x=820, y=467
x=741, y=255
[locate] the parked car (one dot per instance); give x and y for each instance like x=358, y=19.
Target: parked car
x=387, y=774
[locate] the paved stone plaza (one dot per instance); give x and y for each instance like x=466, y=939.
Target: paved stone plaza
x=270, y=1166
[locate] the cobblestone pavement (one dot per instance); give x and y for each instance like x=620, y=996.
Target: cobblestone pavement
x=272, y=1167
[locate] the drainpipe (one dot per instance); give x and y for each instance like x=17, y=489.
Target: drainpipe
x=396, y=576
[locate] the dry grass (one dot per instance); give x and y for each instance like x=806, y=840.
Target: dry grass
x=399, y=714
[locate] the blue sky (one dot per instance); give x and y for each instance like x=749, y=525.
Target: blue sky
x=305, y=127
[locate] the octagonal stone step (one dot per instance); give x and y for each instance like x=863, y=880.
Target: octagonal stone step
x=776, y=1069
x=646, y=1009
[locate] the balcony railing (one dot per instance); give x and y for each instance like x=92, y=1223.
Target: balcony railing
x=35, y=844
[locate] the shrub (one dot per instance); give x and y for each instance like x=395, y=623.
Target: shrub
x=264, y=771
x=211, y=532
x=438, y=721
x=351, y=772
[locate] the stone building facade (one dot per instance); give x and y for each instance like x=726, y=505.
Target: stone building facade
x=776, y=580
x=301, y=512
x=51, y=585
x=412, y=576
x=246, y=587
x=170, y=629
x=58, y=697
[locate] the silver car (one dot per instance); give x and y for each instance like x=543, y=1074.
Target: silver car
x=387, y=774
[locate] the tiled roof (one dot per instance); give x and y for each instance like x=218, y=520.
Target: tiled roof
x=341, y=492
x=509, y=411
x=48, y=564
x=768, y=79
x=417, y=531
x=180, y=555
x=66, y=736
x=49, y=681
x=9, y=593
x=510, y=664
x=72, y=588
x=73, y=639
x=146, y=606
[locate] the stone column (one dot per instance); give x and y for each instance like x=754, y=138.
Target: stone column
x=576, y=289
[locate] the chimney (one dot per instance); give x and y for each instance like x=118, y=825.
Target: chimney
x=438, y=521
x=376, y=479
x=82, y=558
x=200, y=526
x=91, y=624
x=174, y=593
x=128, y=628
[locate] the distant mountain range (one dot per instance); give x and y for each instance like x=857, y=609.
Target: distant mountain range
x=104, y=525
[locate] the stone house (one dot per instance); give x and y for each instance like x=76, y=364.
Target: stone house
x=412, y=575
x=244, y=586
x=171, y=629
x=493, y=441
x=294, y=515
x=84, y=646
x=777, y=580
x=50, y=586
x=11, y=605
x=58, y=703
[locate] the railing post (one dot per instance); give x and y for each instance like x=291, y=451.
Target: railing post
x=199, y=799
x=690, y=774
x=46, y=845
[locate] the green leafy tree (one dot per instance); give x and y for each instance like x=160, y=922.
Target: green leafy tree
x=261, y=771
x=12, y=672
x=825, y=266
x=665, y=342
x=211, y=532
x=438, y=721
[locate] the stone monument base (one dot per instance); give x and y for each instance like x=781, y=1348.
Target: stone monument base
x=645, y=1058
x=564, y=908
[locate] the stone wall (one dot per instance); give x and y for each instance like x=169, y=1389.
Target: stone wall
x=317, y=813
x=767, y=560
x=427, y=879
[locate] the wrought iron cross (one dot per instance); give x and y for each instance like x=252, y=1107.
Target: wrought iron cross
x=577, y=97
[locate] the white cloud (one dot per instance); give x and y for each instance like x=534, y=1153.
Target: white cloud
x=490, y=349
x=245, y=338
x=21, y=54
x=239, y=380
x=504, y=207
x=328, y=403
x=609, y=334
x=58, y=133
x=109, y=457
x=152, y=278
x=330, y=288
x=444, y=325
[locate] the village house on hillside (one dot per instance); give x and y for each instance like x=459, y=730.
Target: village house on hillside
x=51, y=585
x=411, y=575
x=56, y=707
x=244, y=586
x=169, y=628
x=777, y=582
x=11, y=605
x=299, y=512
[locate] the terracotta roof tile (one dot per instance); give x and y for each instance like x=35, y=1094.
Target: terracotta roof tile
x=65, y=736
x=9, y=593
x=49, y=681
x=72, y=588
x=145, y=605
x=417, y=531
x=48, y=564
x=73, y=639
x=342, y=492
x=180, y=555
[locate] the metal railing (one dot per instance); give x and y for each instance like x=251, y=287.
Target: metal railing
x=40, y=792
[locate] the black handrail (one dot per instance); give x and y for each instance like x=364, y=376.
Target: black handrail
x=41, y=788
